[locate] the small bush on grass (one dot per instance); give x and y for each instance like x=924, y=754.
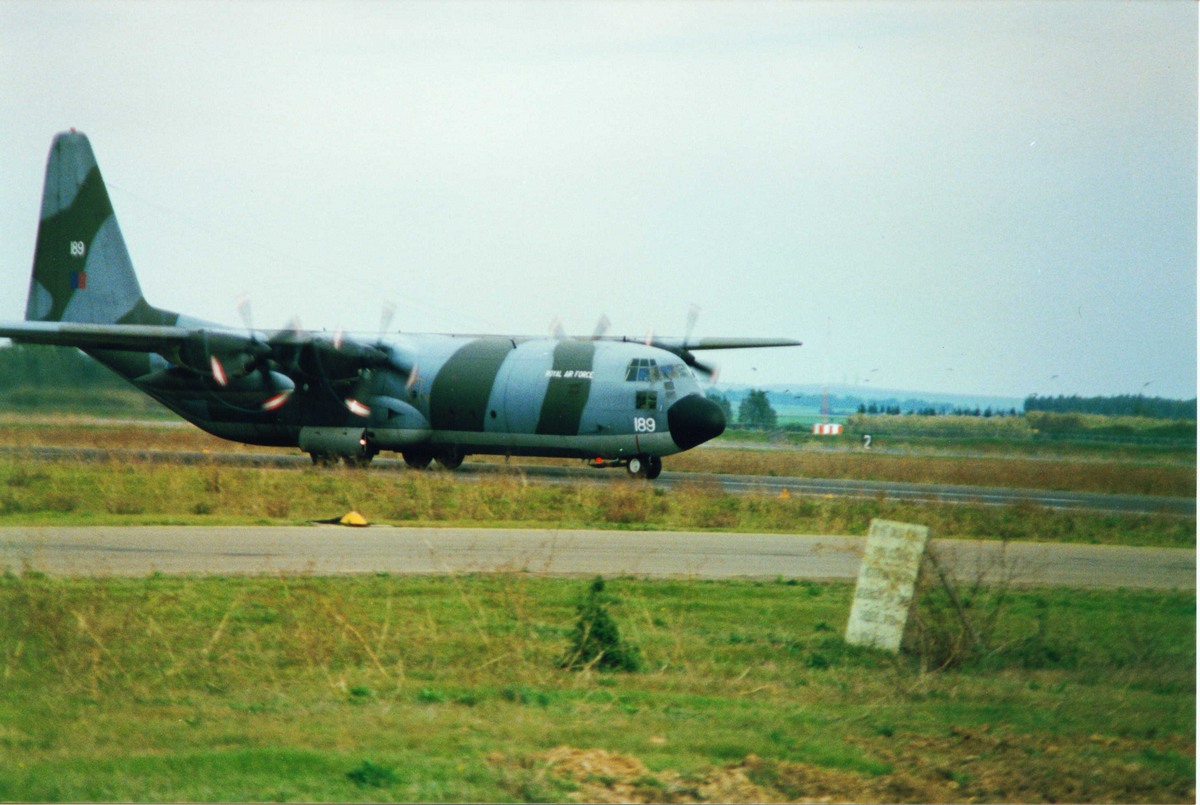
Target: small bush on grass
x=596, y=641
x=372, y=774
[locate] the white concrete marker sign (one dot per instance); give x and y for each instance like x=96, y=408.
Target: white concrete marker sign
x=886, y=580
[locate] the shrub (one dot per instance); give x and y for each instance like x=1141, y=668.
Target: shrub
x=596, y=640
x=372, y=774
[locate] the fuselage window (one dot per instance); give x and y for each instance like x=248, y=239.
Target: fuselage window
x=646, y=401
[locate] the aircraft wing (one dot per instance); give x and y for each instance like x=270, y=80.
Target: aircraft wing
x=686, y=347
x=129, y=337
x=222, y=352
x=722, y=343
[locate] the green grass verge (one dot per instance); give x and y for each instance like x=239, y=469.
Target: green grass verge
x=1088, y=437
x=450, y=689
x=84, y=494
x=999, y=463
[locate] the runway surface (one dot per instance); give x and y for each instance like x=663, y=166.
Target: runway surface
x=322, y=550
x=737, y=484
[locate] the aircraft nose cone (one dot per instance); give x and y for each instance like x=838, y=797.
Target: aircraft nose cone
x=694, y=420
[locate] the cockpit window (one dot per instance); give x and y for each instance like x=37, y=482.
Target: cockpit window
x=647, y=370
x=642, y=369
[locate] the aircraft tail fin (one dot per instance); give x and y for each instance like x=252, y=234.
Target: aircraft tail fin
x=81, y=268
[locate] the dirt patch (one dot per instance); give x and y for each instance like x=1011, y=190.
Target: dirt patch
x=602, y=776
x=596, y=775
x=965, y=766
x=988, y=765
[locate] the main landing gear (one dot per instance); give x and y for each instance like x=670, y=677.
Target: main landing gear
x=326, y=459
x=417, y=459
x=450, y=459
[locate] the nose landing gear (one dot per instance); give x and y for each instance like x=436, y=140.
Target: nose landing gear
x=648, y=467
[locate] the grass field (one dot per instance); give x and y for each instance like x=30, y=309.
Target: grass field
x=1014, y=472
x=378, y=688
x=1170, y=472
x=73, y=493
x=449, y=689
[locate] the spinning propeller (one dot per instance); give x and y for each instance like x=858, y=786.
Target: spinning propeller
x=349, y=362
x=602, y=324
x=710, y=371
x=272, y=366
x=241, y=363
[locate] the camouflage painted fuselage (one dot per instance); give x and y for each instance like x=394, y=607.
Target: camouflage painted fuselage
x=509, y=396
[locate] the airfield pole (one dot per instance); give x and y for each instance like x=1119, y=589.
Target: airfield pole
x=828, y=370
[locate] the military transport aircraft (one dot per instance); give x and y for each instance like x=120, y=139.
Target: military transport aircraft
x=611, y=401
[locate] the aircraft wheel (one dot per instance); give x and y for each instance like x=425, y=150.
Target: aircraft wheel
x=418, y=461
x=359, y=461
x=638, y=467
x=653, y=467
x=450, y=460
x=320, y=459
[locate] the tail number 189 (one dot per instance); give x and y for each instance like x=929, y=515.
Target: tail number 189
x=644, y=424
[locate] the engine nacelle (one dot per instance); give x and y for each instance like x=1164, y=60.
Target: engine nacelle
x=235, y=354
x=321, y=358
x=334, y=441
x=395, y=424
x=254, y=385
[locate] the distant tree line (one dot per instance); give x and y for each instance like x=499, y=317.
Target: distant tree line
x=38, y=378
x=24, y=366
x=1122, y=405
x=755, y=411
x=929, y=410
x=723, y=403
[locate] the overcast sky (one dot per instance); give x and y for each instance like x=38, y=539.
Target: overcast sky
x=988, y=198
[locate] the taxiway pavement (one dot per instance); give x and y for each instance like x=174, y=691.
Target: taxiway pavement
x=326, y=550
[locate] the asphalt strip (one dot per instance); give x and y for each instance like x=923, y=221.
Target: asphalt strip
x=333, y=550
